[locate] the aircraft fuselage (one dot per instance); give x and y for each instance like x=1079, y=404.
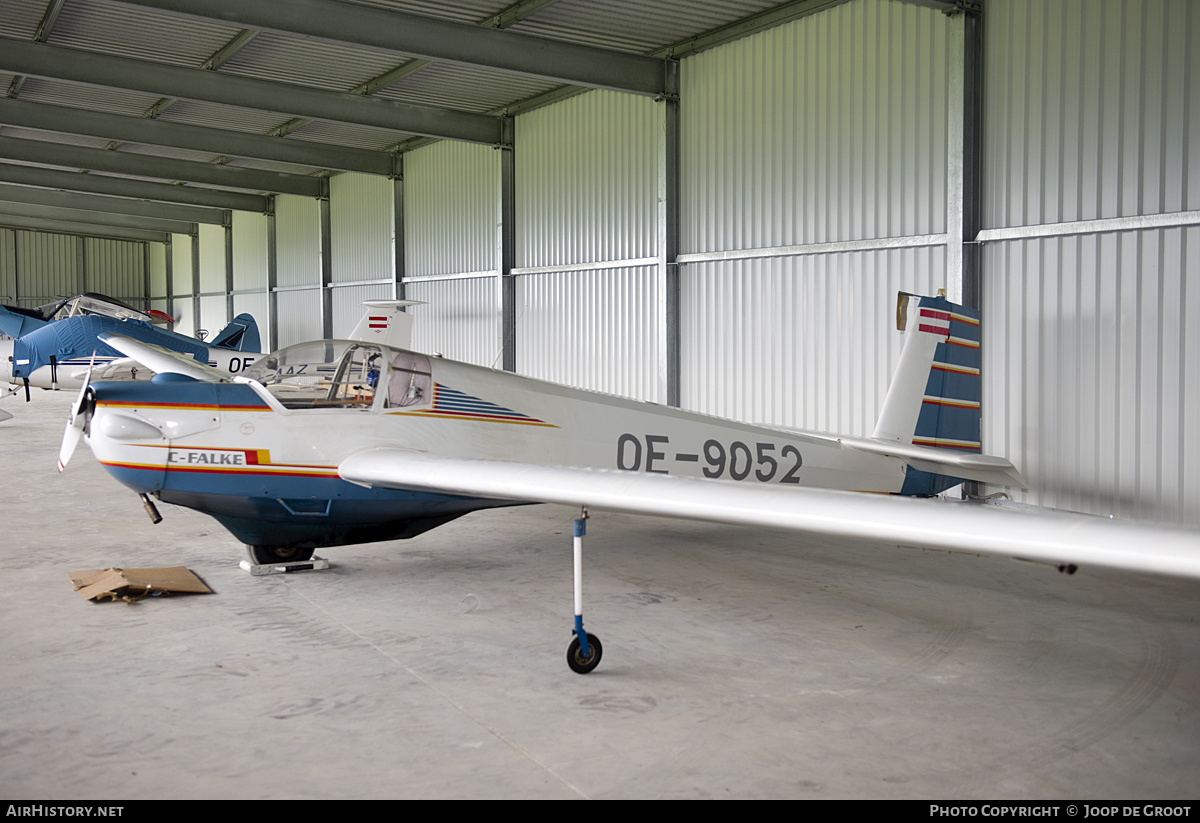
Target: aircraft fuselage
x=264, y=461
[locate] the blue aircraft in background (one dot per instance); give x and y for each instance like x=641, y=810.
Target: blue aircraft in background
x=52, y=346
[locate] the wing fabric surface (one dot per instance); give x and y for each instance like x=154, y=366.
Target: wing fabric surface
x=1051, y=537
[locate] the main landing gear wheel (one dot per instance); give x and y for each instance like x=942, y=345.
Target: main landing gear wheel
x=268, y=555
x=575, y=659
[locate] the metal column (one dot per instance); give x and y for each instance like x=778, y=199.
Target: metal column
x=326, y=263
x=668, y=238
x=506, y=252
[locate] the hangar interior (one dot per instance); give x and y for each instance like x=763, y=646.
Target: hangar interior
x=710, y=205
x=704, y=204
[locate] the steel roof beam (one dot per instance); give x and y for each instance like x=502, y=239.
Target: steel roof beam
x=126, y=187
x=111, y=205
x=95, y=218
x=13, y=221
x=433, y=39
x=164, y=168
x=92, y=69
x=67, y=120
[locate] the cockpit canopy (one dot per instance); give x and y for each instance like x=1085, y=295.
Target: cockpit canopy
x=344, y=374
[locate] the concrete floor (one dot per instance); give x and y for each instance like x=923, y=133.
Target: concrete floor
x=737, y=663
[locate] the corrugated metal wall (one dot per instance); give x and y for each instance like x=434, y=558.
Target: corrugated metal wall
x=586, y=205
x=1092, y=372
x=452, y=202
x=452, y=211
x=807, y=342
x=363, y=236
x=299, y=311
x=250, y=252
x=182, y=306
x=587, y=172
x=362, y=228
x=116, y=268
x=828, y=130
x=38, y=267
x=596, y=328
x=158, y=275
x=460, y=318
x=8, y=265
x=212, y=259
x=47, y=267
x=298, y=256
x=251, y=276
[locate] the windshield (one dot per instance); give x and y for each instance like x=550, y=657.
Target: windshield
x=322, y=374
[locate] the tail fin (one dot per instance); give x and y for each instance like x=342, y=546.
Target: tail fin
x=385, y=323
x=934, y=399
x=240, y=335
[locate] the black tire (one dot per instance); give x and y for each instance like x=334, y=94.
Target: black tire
x=266, y=555
x=575, y=659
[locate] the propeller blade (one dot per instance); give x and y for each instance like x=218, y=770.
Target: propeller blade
x=70, y=440
x=76, y=421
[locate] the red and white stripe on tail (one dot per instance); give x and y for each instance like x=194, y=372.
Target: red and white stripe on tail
x=385, y=323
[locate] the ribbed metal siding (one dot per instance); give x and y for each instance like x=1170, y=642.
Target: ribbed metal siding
x=1093, y=109
x=212, y=258
x=181, y=265
x=213, y=315
x=451, y=209
x=595, y=329
x=158, y=275
x=1090, y=374
x=257, y=306
x=47, y=267
x=587, y=180
x=807, y=342
x=116, y=268
x=299, y=316
x=8, y=265
x=460, y=319
x=1092, y=370
x=185, y=322
x=298, y=241
x=249, y=251
x=826, y=129
x=362, y=227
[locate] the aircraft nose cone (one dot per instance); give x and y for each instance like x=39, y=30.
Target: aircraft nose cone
x=6, y=350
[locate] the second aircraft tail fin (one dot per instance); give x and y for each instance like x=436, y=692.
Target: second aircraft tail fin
x=385, y=323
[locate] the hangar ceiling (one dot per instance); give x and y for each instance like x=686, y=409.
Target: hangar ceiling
x=202, y=106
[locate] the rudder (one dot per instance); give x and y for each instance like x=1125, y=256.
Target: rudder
x=934, y=399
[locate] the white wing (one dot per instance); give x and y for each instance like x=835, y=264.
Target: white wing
x=162, y=360
x=1053, y=537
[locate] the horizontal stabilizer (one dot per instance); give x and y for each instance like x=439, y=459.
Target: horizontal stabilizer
x=967, y=465
x=1049, y=537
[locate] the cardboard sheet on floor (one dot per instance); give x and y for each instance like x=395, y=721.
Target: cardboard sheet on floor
x=133, y=584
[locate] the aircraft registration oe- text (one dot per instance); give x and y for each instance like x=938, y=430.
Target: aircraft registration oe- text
x=339, y=442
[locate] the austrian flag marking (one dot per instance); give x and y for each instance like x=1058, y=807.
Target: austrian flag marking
x=935, y=322
x=377, y=322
